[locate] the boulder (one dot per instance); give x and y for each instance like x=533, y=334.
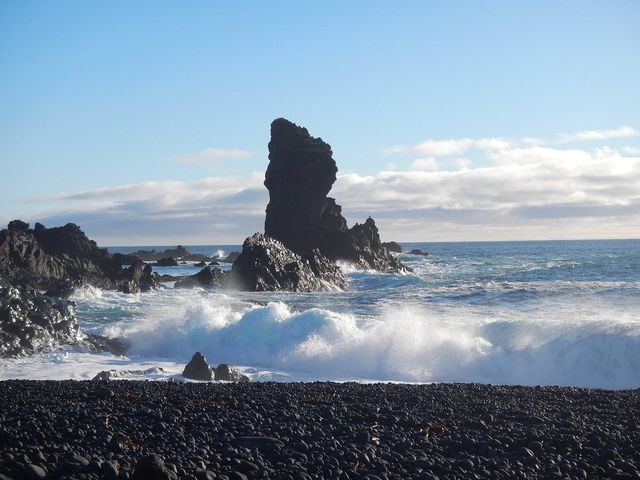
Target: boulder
x=300, y=174
x=417, y=251
x=167, y=262
x=265, y=264
x=205, y=278
x=392, y=247
x=198, y=368
x=201, y=264
x=228, y=373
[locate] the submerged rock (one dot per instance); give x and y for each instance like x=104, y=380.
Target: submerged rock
x=300, y=174
x=265, y=264
x=206, y=278
x=198, y=368
x=167, y=262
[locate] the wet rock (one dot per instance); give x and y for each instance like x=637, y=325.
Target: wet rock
x=198, y=368
x=206, y=278
x=230, y=374
x=417, y=251
x=32, y=322
x=167, y=262
x=265, y=264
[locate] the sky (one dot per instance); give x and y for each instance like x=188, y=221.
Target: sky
x=147, y=122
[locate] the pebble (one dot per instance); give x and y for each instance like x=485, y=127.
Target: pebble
x=164, y=430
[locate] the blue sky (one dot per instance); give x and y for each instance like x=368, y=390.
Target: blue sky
x=139, y=120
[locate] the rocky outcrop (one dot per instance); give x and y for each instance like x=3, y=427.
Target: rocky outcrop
x=206, y=278
x=198, y=368
x=300, y=174
x=31, y=322
x=417, y=251
x=46, y=257
x=61, y=258
x=392, y=247
x=265, y=264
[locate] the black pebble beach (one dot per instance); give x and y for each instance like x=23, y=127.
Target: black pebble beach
x=168, y=430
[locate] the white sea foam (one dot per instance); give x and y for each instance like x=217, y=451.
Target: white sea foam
x=448, y=323
x=407, y=343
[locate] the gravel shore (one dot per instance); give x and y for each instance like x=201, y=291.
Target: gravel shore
x=148, y=430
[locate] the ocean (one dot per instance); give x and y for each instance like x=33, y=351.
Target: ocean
x=528, y=313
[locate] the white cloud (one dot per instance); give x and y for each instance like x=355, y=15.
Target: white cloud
x=425, y=164
x=211, y=155
x=444, y=148
x=451, y=147
x=523, y=189
x=624, y=131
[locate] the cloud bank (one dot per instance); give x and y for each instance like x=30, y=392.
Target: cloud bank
x=511, y=189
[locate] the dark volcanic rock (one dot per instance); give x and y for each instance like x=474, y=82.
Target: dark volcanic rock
x=198, y=368
x=205, y=278
x=167, y=262
x=300, y=174
x=316, y=430
x=61, y=258
x=229, y=374
x=152, y=467
x=18, y=226
x=232, y=257
x=417, y=251
x=361, y=246
x=31, y=322
x=265, y=264
x=138, y=279
x=47, y=256
x=392, y=247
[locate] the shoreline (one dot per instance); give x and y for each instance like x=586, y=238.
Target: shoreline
x=89, y=429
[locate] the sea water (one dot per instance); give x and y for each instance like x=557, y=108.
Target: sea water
x=532, y=313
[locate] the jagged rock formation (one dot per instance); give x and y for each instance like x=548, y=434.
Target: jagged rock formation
x=61, y=258
x=300, y=174
x=265, y=264
x=31, y=322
